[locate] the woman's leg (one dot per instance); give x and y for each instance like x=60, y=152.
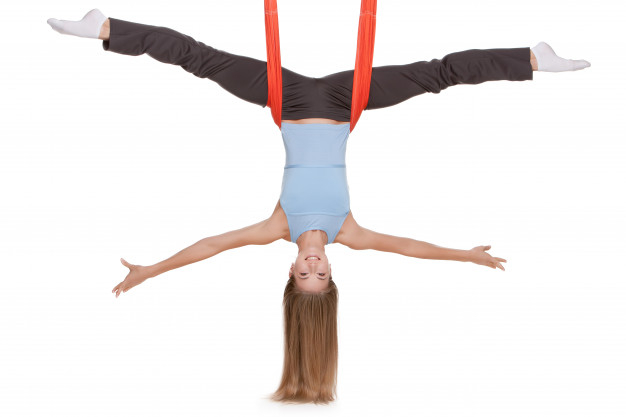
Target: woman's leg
x=242, y=76
x=393, y=84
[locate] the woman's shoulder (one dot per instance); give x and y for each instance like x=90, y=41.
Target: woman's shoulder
x=349, y=230
x=278, y=223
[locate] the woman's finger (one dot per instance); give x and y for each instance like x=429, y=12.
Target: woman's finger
x=500, y=266
x=126, y=264
x=487, y=247
x=500, y=259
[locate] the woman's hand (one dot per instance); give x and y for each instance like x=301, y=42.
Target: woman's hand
x=136, y=276
x=479, y=256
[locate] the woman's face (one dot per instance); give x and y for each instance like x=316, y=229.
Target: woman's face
x=311, y=271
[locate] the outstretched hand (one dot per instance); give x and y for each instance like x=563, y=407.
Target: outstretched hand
x=136, y=276
x=479, y=256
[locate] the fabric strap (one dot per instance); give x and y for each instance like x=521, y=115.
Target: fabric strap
x=362, y=67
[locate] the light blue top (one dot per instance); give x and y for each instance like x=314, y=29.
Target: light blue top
x=314, y=194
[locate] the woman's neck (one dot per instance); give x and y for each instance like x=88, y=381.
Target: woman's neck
x=312, y=240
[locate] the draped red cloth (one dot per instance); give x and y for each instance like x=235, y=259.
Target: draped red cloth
x=274, y=73
x=362, y=67
x=364, y=59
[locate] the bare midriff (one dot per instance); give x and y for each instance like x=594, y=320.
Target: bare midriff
x=315, y=120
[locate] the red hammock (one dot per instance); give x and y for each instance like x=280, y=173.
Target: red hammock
x=362, y=68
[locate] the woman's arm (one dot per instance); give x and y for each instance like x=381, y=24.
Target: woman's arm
x=261, y=233
x=357, y=237
x=257, y=234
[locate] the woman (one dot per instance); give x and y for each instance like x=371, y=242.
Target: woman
x=314, y=208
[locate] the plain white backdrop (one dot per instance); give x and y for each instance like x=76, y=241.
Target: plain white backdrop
x=104, y=156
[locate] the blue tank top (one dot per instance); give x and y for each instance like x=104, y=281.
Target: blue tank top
x=314, y=193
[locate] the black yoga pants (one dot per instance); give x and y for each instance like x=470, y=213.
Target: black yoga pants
x=326, y=97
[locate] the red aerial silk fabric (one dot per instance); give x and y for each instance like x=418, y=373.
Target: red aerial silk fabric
x=274, y=73
x=364, y=59
x=362, y=68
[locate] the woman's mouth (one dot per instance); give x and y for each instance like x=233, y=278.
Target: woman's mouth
x=312, y=258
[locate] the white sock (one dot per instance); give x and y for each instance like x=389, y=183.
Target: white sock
x=88, y=27
x=547, y=60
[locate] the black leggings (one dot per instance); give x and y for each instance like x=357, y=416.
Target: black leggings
x=326, y=97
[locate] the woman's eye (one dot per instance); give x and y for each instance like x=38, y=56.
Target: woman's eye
x=321, y=275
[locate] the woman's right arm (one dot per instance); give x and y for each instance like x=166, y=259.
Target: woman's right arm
x=261, y=233
x=354, y=236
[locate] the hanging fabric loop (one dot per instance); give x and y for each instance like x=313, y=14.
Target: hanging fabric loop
x=362, y=67
x=274, y=72
x=364, y=60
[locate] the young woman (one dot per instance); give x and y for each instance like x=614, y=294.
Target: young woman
x=314, y=206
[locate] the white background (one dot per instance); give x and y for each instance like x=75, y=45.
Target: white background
x=105, y=156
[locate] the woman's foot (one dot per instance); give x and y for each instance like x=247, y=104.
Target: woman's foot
x=547, y=60
x=88, y=27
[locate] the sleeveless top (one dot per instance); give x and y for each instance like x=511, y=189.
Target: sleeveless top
x=314, y=193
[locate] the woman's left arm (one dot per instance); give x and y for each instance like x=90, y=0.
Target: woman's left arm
x=262, y=233
x=360, y=238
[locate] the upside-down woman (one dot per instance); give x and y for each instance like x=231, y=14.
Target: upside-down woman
x=313, y=209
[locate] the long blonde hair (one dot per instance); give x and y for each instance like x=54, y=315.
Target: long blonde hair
x=311, y=349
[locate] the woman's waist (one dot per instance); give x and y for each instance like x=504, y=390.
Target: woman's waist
x=301, y=174
x=316, y=166
x=309, y=190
